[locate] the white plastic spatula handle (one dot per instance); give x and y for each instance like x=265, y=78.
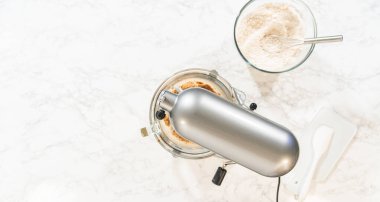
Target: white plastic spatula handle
x=321, y=142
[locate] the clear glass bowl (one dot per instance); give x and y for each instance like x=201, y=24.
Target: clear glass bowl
x=310, y=30
x=163, y=133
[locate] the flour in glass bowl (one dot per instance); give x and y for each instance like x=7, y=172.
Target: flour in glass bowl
x=255, y=31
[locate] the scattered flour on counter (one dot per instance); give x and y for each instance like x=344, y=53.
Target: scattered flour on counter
x=255, y=31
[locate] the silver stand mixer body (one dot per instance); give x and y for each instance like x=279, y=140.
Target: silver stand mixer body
x=231, y=131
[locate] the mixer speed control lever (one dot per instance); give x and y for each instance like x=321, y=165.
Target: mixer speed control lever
x=220, y=173
x=219, y=176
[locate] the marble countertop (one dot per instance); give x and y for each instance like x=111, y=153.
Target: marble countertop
x=77, y=76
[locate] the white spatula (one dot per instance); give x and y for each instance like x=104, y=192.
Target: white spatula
x=321, y=143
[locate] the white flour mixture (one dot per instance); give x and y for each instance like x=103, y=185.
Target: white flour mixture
x=255, y=31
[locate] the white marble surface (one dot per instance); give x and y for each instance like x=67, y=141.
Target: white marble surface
x=77, y=76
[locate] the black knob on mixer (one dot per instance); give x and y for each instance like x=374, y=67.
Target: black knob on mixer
x=253, y=106
x=219, y=176
x=160, y=114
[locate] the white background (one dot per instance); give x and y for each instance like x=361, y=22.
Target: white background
x=77, y=76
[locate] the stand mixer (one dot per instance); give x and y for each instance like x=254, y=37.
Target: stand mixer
x=211, y=119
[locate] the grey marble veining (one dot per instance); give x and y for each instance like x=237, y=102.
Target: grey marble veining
x=76, y=79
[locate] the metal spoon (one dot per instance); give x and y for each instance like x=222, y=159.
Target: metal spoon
x=285, y=43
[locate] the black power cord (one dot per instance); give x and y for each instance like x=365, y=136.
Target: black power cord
x=278, y=188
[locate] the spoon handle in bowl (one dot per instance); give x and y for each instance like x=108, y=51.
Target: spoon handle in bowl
x=324, y=39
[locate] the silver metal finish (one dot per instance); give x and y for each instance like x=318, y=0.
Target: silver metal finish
x=157, y=127
x=286, y=43
x=167, y=100
x=324, y=39
x=227, y=163
x=233, y=132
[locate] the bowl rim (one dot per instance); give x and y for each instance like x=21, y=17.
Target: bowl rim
x=165, y=142
x=267, y=71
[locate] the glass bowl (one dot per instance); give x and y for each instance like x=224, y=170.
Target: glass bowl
x=309, y=29
x=174, y=142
